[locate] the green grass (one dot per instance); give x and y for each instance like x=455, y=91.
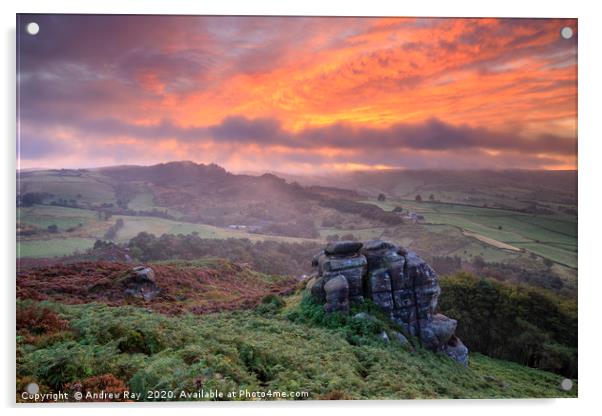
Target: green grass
x=88, y=188
x=144, y=200
x=260, y=351
x=559, y=255
x=54, y=247
x=158, y=226
x=42, y=216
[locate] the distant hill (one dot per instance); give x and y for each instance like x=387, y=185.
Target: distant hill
x=502, y=188
x=199, y=193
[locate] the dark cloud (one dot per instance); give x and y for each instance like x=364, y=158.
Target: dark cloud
x=430, y=135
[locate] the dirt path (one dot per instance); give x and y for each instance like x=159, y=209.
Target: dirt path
x=491, y=241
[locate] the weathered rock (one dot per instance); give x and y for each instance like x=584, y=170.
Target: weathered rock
x=443, y=328
x=316, y=288
x=384, y=337
x=372, y=245
x=379, y=281
x=457, y=350
x=400, y=338
x=141, y=283
x=144, y=272
x=352, y=268
x=384, y=300
x=337, y=294
x=363, y=316
x=401, y=283
x=345, y=247
x=337, y=264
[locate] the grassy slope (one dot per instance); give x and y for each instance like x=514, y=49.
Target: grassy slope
x=234, y=350
x=88, y=188
x=55, y=247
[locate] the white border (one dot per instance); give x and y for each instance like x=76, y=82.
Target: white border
x=590, y=275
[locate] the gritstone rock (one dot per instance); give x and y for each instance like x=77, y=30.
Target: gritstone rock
x=337, y=294
x=401, y=283
x=141, y=283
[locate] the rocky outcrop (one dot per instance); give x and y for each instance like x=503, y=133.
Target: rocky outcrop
x=141, y=283
x=402, y=284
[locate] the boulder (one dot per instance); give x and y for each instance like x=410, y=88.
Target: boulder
x=443, y=328
x=328, y=264
x=144, y=273
x=457, y=350
x=141, y=283
x=337, y=294
x=345, y=247
x=373, y=245
x=316, y=288
x=400, y=338
x=363, y=316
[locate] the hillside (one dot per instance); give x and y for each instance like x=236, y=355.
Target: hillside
x=216, y=325
x=253, y=351
x=509, y=189
x=196, y=287
x=521, y=227
x=178, y=197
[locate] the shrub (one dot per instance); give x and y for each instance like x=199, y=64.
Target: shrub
x=65, y=362
x=35, y=320
x=106, y=383
x=531, y=326
x=270, y=304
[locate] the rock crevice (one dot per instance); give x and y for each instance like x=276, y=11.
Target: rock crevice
x=401, y=283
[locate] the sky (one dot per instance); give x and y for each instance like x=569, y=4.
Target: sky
x=297, y=94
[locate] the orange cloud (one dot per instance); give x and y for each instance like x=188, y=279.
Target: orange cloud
x=511, y=76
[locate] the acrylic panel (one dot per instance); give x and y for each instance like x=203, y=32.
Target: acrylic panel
x=295, y=208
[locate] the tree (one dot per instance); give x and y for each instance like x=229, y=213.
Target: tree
x=382, y=197
x=418, y=198
x=53, y=228
x=432, y=197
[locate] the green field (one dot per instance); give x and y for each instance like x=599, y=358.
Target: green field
x=144, y=200
x=53, y=247
x=85, y=188
x=134, y=225
x=66, y=243
x=550, y=236
x=42, y=216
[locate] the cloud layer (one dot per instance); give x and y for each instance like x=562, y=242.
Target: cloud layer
x=301, y=94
